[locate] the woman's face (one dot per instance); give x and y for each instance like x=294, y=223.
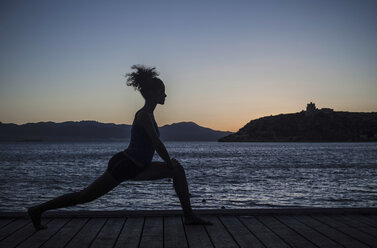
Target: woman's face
x=159, y=95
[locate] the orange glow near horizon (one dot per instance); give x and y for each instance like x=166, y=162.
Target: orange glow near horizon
x=221, y=123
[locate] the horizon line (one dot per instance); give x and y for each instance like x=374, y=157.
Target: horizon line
x=318, y=109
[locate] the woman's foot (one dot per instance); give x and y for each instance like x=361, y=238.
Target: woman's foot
x=195, y=220
x=35, y=217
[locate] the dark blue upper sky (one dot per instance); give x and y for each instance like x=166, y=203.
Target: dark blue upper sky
x=223, y=62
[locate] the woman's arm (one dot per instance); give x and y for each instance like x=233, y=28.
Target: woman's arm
x=147, y=122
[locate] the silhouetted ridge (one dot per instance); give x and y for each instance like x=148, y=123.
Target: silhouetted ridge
x=97, y=131
x=312, y=125
x=190, y=131
x=69, y=130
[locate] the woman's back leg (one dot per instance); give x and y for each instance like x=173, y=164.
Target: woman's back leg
x=99, y=187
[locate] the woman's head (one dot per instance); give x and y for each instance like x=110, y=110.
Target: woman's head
x=145, y=80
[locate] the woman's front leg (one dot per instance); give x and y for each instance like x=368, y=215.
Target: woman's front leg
x=159, y=170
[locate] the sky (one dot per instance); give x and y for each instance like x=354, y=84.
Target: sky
x=223, y=63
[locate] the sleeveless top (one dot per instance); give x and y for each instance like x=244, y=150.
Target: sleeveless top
x=141, y=147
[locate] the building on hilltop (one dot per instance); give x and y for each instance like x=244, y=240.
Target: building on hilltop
x=310, y=109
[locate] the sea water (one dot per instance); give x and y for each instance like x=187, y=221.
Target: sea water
x=233, y=175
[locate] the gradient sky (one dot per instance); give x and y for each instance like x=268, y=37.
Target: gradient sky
x=223, y=62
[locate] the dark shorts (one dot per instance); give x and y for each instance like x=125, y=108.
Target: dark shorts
x=122, y=168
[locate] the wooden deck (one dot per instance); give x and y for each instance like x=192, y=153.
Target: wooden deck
x=294, y=227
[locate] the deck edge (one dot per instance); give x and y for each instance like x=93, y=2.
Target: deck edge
x=238, y=212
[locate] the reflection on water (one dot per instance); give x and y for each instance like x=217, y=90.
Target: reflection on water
x=234, y=175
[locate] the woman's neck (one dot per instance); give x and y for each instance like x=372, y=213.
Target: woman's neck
x=149, y=106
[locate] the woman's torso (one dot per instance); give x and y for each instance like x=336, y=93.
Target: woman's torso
x=140, y=148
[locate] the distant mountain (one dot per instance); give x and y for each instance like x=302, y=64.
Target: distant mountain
x=190, y=131
x=96, y=131
x=64, y=131
x=312, y=125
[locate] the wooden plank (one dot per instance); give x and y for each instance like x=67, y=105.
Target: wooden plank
x=330, y=232
x=40, y=237
x=240, y=233
x=373, y=216
x=65, y=234
x=218, y=234
x=19, y=236
x=358, y=224
x=13, y=227
x=347, y=229
x=4, y=222
x=131, y=232
x=87, y=234
x=109, y=233
x=174, y=233
x=197, y=236
x=284, y=232
x=309, y=233
x=152, y=235
x=364, y=218
x=265, y=235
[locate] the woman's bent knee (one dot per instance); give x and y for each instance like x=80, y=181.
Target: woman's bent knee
x=178, y=169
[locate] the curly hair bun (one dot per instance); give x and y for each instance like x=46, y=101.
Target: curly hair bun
x=143, y=78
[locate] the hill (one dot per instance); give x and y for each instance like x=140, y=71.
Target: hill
x=190, y=131
x=96, y=131
x=312, y=125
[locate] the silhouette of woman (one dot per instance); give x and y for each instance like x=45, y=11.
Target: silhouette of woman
x=135, y=162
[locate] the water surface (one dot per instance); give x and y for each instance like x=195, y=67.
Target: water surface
x=233, y=175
